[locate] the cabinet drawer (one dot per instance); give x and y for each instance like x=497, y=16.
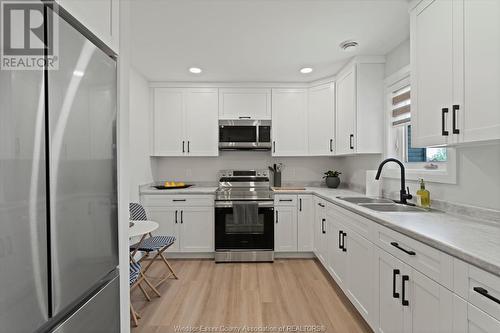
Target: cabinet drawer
x=178, y=200
x=429, y=261
x=285, y=200
x=484, y=291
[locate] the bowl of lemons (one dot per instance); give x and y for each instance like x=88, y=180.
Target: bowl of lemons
x=166, y=185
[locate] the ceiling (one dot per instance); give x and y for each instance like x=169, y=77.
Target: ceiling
x=259, y=40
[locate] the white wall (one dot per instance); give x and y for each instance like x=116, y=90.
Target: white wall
x=204, y=169
x=140, y=165
x=478, y=175
x=397, y=58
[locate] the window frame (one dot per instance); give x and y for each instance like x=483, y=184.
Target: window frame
x=447, y=171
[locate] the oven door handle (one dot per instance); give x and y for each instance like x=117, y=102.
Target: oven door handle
x=229, y=204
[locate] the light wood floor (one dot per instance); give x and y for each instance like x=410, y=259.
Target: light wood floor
x=286, y=292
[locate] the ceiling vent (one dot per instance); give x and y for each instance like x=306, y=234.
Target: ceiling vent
x=348, y=45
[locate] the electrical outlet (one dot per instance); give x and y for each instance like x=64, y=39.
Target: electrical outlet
x=189, y=173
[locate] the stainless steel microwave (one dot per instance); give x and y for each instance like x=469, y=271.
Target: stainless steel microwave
x=244, y=134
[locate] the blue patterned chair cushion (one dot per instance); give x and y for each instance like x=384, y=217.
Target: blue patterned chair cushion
x=137, y=212
x=135, y=269
x=154, y=243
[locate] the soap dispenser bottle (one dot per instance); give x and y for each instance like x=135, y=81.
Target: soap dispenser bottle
x=423, y=196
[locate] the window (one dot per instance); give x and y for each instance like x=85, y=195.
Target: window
x=431, y=163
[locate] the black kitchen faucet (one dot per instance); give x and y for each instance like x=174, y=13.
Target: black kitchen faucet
x=404, y=195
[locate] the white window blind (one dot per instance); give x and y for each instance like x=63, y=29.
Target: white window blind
x=401, y=106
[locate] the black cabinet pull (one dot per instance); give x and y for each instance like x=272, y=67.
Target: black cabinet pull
x=274, y=146
x=300, y=204
x=343, y=241
x=409, y=252
x=444, y=132
x=321, y=205
x=455, y=109
x=183, y=150
x=175, y=216
x=351, y=143
x=178, y=200
x=331, y=145
x=277, y=217
x=404, y=301
x=286, y=200
x=182, y=218
x=188, y=146
x=340, y=239
x=323, y=226
x=394, y=273
x=244, y=117
x=484, y=292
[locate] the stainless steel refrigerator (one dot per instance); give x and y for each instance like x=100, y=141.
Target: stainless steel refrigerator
x=58, y=192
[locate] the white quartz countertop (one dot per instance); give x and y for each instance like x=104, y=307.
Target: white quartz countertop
x=474, y=241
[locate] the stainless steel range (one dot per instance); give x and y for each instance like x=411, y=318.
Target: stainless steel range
x=244, y=216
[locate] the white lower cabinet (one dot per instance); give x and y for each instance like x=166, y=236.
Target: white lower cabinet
x=285, y=231
x=336, y=252
x=193, y=227
x=320, y=243
x=305, y=219
x=360, y=259
x=197, y=229
x=469, y=319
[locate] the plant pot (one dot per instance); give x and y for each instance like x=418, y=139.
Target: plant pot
x=332, y=182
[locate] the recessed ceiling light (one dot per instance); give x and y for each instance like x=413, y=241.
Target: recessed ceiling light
x=195, y=70
x=349, y=45
x=306, y=70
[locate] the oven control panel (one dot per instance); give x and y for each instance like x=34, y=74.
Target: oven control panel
x=244, y=173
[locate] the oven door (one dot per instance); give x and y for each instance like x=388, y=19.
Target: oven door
x=231, y=235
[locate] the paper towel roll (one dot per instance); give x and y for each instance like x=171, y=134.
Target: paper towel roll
x=373, y=186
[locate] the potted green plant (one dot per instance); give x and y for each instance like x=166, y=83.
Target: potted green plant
x=332, y=178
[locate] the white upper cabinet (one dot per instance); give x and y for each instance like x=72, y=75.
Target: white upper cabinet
x=245, y=103
x=479, y=118
x=185, y=122
x=455, y=61
x=201, y=123
x=289, y=116
x=359, y=107
x=101, y=17
x=432, y=72
x=321, y=120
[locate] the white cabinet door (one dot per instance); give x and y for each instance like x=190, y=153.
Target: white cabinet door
x=481, y=109
x=197, y=229
x=321, y=120
x=305, y=221
x=432, y=73
x=346, y=113
x=168, y=223
x=392, y=314
x=289, y=117
x=431, y=305
x=244, y=103
x=285, y=231
x=337, y=253
x=168, y=122
x=360, y=261
x=101, y=17
x=201, y=122
x=320, y=226
x=469, y=319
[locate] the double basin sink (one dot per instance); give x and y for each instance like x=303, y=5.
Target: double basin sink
x=381, y=205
